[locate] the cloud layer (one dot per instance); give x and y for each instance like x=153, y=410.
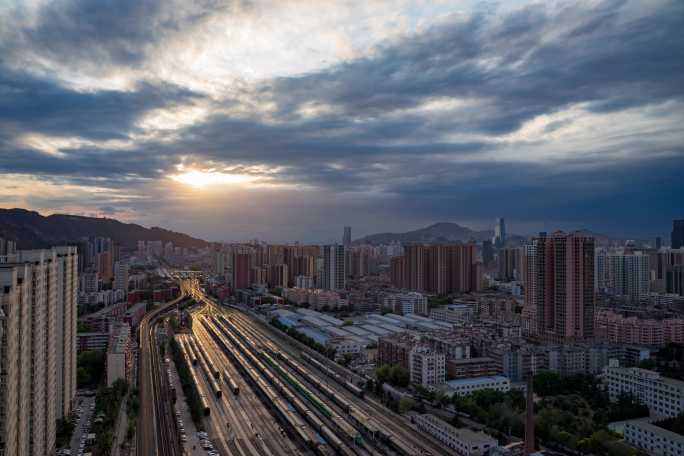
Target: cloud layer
x=551, y=115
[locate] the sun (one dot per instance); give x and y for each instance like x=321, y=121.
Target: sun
x=200, y=179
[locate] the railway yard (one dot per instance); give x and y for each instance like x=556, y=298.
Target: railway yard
x=264, y=394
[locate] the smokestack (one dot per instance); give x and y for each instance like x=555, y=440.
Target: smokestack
x=529, y=418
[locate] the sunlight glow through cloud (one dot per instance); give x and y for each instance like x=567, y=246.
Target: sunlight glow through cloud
x=201, y=179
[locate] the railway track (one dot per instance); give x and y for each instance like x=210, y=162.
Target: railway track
x=157, y=433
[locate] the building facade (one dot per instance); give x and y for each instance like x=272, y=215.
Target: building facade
x=559, y=286
x=663, y=396
x=463, y=441
x=334, y=272
x=427, y=367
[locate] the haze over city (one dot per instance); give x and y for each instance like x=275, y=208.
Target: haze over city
x=236, y=120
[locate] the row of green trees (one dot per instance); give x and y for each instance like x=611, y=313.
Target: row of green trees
x=107, y=406
x=187, y=383
x=393, y=374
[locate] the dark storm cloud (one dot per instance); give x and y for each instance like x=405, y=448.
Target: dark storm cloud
x=35, y=104
x=520, y=66
x=372, y=137
x=111, y=32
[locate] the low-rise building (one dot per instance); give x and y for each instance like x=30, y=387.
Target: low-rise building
x=453, y=313
x=472, y=367
x=663, y=396
x=92, y=341
x=405, y=303
x=427, y=367
x=653, y=439
x=466, y=386
x=462, y=440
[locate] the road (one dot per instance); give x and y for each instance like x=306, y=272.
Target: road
x=156, y=433
x=283, y=391
x=86, y=404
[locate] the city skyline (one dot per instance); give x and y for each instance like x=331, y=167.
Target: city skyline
x=242, y=120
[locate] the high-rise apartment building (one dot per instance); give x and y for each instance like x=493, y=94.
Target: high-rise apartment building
x=334, y=273
x=67, y=313
x=559, y=286
x=38, y=297
x=510, y=264
x=347, y=238
x=499, y=239
x=487, y=252
x=623, y=275
x=121, y=276
x=240, y=269
x=677, y=234
x=437, y=268
x=7, y=247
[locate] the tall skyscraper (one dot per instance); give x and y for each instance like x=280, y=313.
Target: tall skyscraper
x=559, y=288
x=499, y=239
x=347, y=238
x=334, y=273
x=240, y=270
x=487, y=252
x=658, y=242
x=677, y=234
x=510, y=264
x=67, y=310
x=38, y=298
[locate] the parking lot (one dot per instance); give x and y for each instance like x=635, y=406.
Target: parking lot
x=193, y=441
x=84, y=409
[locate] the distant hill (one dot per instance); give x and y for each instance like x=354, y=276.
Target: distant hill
x=438, y=233
x=32, y=230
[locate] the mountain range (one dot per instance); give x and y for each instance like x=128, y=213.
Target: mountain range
x=32, y=230
x=438, y=233
x=445, y=232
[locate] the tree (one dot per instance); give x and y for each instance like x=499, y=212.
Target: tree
x=406, y=404
x=93, y=364
x=547, y=383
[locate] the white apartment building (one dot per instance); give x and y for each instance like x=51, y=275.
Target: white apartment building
x=15, y=380
x=121, y=276
x=466, y=386
x=623, y=274
x=334, y=267
x=67, y=328
x=304, y=281
x=119, y=355
x=427, y=367
x=406, y=303
x=663, y=396
x=463, y=441
x=453, y=313
x=653, y=439
x=38, y=298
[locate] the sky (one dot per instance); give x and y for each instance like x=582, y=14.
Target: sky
x=285, y=120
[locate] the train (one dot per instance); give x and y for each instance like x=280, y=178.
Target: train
x=203, y=355
x=277, y=401
x=231, y=383
x=333, y=440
